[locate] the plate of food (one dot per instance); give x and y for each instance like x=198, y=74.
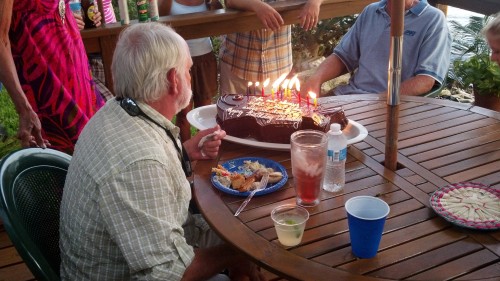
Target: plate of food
x=468, y=204
x=241, y=175
x=204, y=118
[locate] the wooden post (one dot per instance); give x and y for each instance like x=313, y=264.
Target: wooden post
x=393, y=83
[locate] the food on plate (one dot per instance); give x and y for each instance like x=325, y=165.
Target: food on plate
x=247, y=177
x=237, y=180
x=275, y=177
x=273, y=120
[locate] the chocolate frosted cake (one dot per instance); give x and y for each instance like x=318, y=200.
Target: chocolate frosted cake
x=274, y=120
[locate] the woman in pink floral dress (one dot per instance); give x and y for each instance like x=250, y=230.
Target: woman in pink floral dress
x=44, y=67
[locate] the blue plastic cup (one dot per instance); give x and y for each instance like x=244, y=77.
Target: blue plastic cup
x=366, y=218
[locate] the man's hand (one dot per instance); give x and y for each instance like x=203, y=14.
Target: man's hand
x=205, y=144
x=245, y=270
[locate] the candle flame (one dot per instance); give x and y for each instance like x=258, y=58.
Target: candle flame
x=266, y=82
x=250, y=84
x=312, y=95
x=294, y=80
x=297, y=85
x=257, y=84
x=278, y=82
x=285, y=84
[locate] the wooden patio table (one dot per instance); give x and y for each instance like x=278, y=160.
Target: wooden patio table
x=440, y=142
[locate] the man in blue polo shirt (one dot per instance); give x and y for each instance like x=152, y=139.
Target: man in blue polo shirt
x=364, y=51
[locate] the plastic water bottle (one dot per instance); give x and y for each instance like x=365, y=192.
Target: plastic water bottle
x=76, y=7
x=335, y=165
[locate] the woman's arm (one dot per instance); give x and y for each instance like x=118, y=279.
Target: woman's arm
x=30, y=128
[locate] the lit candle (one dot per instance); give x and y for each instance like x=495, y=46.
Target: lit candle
x=290, y=86
x=264, y=85
x=248, y=88
x=307, y=96
x=297, y=87
x=315, y=100
x=255, y=88
x=277, y=83
x=285, y=87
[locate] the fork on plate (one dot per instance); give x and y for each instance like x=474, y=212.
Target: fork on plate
x=262, y=185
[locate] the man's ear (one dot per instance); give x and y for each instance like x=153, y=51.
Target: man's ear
x=172, y=80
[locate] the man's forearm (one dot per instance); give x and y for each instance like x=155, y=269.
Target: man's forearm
x=417, y=85
x=332, y=67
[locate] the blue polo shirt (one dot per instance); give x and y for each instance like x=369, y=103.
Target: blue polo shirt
x=365, y=47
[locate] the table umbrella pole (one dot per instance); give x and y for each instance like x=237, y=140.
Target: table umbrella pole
x=393, y=83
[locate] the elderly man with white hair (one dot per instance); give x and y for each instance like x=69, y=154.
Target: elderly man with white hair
x=124, y=213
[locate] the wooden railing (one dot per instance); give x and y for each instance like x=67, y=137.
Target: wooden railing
x=224, y=21
x=213, y=23
x=486, y=7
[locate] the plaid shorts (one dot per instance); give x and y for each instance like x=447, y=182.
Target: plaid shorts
x=98, y=76
x=204, y=78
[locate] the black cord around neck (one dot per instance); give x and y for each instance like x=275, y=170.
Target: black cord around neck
x=131, y=107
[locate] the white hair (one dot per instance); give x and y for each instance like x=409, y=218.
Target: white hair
x=144, y=54
x=492, y=29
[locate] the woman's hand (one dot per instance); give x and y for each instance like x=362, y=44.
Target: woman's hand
x=79, y=21
x=97, y=18
x=30, y=130
x=309, y=15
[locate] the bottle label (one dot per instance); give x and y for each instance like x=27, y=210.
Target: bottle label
x=142, y=10
x=343, y=154
x=337, y=155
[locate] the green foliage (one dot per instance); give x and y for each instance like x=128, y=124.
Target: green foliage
x=8, y=116
x=467, y=39
x=321, y=40
x=481, y=72
x=9, y=122
x=132, y=9
x=473, y=65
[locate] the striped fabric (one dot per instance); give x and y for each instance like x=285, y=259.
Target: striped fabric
x=53, y=70
x=109, y=13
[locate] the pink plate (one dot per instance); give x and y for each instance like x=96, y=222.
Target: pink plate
x=468, y=204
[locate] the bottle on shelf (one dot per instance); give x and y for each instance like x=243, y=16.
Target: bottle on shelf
x=334, y=180
x=89, y=8
x=76, y=7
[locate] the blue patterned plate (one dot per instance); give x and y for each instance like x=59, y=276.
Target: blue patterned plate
x=236, y=165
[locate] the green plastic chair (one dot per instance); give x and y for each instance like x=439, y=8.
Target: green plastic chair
x=436, y=90
x=31, y=187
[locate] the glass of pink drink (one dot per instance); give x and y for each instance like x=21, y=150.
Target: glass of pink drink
x=308, y=149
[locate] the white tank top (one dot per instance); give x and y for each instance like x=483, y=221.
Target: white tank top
x=199, y=46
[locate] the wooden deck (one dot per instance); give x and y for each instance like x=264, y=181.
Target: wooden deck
x=12, y=267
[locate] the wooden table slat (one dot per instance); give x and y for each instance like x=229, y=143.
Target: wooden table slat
x=476, y=155
x=458, y=267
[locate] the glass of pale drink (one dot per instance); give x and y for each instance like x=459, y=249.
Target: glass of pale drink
x=309, y=150
x=289, y=222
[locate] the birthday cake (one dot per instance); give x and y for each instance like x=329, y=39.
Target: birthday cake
x=273, y=120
